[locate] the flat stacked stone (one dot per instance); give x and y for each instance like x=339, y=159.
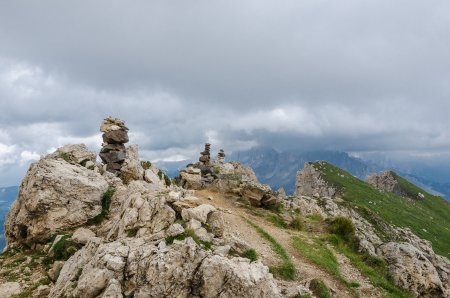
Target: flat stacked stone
x=221, y=156
x=205, y=156
x=115, y=135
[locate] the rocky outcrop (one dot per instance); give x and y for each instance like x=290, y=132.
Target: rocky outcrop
x=310, y=183
x=412, y=262
x=411, y=270
x=131, y=168
x=386, y=181
x=143, y=268
x=55, y=195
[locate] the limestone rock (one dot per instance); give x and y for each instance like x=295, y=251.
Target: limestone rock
x=411, y=270
x=310, y=183
x=112, y=124
x=388, y=181
x=115, y=137
x=141, y=209
x=142, y=268
x=54, y=196
x=216, y=223
x=131, y=168
x=82, y=235
x=9, y=289
x=74, y=154
x=41, y=292
x=199, y=213
x=191, y=178
x=222, y=277
x=54, y=272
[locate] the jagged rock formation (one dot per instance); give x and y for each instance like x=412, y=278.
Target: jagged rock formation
x=129, y=243
x=309, y=183
x=115, y=135
x=55, y=195
x=411, y=260
x=386, y=181
x=233, y=178
x=135, y=235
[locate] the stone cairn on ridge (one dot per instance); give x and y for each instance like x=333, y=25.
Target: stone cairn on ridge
x=115, y=135
x=205, y=156
x=221, y=156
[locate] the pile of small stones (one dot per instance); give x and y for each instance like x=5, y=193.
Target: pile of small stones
x=115, y=135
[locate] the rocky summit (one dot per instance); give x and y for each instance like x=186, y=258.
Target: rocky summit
x=123, y=228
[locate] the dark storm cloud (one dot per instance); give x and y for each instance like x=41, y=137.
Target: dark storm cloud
x=348, y=75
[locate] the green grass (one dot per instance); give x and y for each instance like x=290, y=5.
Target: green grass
x=132, y=232
x=189, y=233
x=286, y=270
x=146, y=164
x=250, y=254
x=318, y=253
x=314, y=217
x=428, y=218
x=29, y=291
x=373, y=268
x=106, y=202
x=277, y=221
x=319, y=288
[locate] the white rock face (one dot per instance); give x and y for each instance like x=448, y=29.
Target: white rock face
x=142, y=209
x=82, y=235
x=309, y=183
x=146, y=269
x=131, y=167
x=10, y=288
x=411, y=270
x=237, y=277
x=75, y=154
x=199, y=213
x=54, y=196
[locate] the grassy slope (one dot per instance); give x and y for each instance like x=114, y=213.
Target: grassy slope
x=428, y=218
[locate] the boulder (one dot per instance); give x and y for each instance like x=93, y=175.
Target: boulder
x=310, y=183
x=82, y=235
x=216, y=223
x=9, y=289
x=141, y=209
x=131, y=168
x=111, y=124
x=116, y=137
x=181, y=269
x=388, y=181
x=74, y=154
x=54, y=196
x=199, y=213
x=191, y=178
x=222, y=277
x=42, y=291
x=411, y=270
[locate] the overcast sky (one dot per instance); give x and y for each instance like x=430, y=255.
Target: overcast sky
x=353, y=75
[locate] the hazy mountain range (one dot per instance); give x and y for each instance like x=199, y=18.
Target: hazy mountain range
x=279, y=169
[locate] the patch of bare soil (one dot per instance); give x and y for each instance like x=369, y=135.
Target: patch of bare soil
x=236, y=225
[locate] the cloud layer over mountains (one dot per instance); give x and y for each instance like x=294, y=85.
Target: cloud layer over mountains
x=366, y=76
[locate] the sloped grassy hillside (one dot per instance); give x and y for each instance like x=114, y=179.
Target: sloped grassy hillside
x=428, y=218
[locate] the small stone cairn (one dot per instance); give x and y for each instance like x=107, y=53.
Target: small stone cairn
x=205, y=156
x=115, y=135
x=221, y=156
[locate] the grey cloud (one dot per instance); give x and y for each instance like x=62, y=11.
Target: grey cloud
x=349, y=75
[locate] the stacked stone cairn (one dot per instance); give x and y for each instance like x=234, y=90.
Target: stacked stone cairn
x=113, y=152
x=205, y=156
x=221, y=156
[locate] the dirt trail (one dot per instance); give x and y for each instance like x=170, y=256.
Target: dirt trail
x=235, y=224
